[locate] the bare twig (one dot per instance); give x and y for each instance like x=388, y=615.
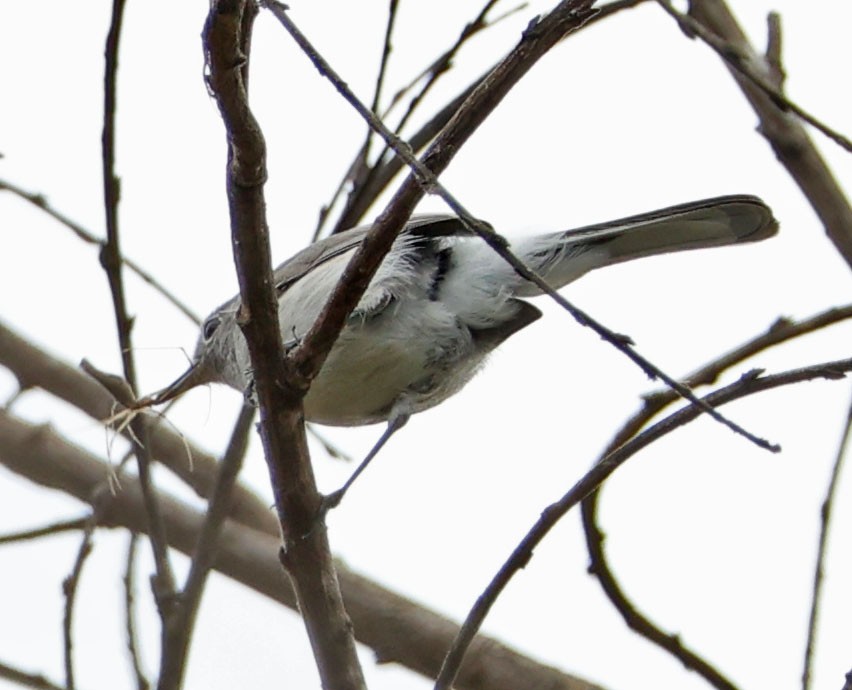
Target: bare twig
x=436, y=70
x=111, y=261
x=743, y=64
x=749, y=384
x=34, y=367
x=360, y=168
x=48, y=530
x=41, y=202
x=99, y=500
x=413, y=635
x=30, y=680
x=206, y=548
x=69, y=589
x=310, y=355
x=774, y=60
x=129, y=616
x=782, y=130
x=781, y=331
x=822, y=549
x=384, y=173
x=373, y=180
x=440, y=66
x=330, y=448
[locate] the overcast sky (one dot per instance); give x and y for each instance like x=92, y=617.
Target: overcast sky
x=713, y=537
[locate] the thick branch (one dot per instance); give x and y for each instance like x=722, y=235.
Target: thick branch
x=306, y=551
x=396, y=628
x=35, y=368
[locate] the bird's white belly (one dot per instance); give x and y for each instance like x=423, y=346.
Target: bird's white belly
x=398, y=356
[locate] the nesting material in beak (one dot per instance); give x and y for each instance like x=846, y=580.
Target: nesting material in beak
x=192, y=377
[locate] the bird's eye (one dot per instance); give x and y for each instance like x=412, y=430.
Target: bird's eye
x=210, y=327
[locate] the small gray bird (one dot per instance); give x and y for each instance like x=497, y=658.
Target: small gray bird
x=441, y=301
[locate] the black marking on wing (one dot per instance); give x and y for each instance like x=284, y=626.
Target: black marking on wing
x=426, y=226
x=443, y=261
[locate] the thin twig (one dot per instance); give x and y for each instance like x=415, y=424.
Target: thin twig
x=48, y=530
x=69, y=589
x=331, y=449
x=31, y=680
x=749, y=384
x=426, y=177
x=366, y=184
x=439, y=66
x=99, y=501
x=742, y=63
x=781, y=331
x=206, y=548
x=413, y=636
x=384, y=173
x=111, y=260
x=41, y=202
x=822, y=549
x=783, y=131
x=142, y=682
x=360, y=169
x=774, y=60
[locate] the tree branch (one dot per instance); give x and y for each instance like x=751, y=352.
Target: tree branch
x=397, y=629
x=789, y=140
x=822, y=548
x=163, y=584
x=306, y=552
x=751, y=383
x=781, y=331
x=40, y=202
x=204, y=553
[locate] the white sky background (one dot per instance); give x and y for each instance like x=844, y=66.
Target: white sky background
x=714, y=538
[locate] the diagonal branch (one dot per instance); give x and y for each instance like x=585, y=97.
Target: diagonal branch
x=40, y=202
x=781, y=331
x=789, y=140
x=204, y=553
x=397, y=629
x=539, y=37
x=749, y=384
x=384, y=172
x=743, y=64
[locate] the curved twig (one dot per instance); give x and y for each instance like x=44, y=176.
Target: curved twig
x=749, y=384
x=781, y=331
x=40, y=202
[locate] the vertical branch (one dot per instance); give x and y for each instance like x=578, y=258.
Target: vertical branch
x=129, y=615
x=359, y=170
x=306, y=553
x=69, y=589
x=112, y=263
x=205, y=551
x=822, y=549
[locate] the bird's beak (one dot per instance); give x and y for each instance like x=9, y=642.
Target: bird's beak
x=192, y=377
